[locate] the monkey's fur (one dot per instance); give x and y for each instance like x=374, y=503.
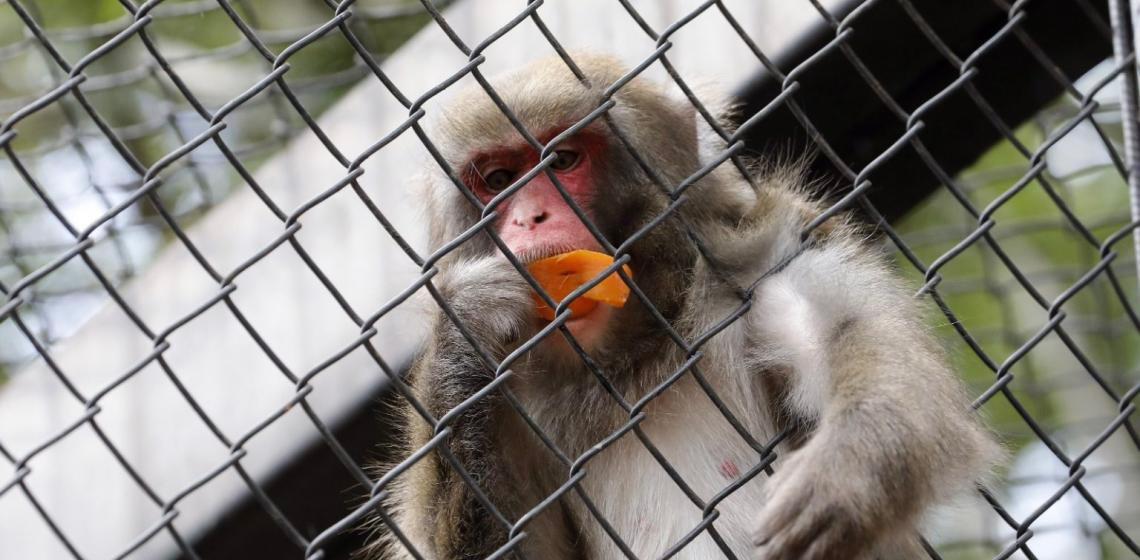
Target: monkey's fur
x=833, y=349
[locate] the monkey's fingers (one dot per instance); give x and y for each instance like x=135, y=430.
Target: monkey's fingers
x=803, y=521
x=775, y=518
x=811, y=535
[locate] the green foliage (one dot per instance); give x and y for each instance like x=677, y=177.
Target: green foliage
x=1001, y=315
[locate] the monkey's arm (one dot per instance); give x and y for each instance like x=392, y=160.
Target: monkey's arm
x=444, y=517
x=893, y=432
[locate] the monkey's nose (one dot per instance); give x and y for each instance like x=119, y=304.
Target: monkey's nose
x=534, y=220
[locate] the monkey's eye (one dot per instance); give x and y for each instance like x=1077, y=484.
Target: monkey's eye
x=564, y=159
x=499, y=179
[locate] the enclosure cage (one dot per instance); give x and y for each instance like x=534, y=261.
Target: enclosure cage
x=213, y=273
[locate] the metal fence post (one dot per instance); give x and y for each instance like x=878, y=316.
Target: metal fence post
x=1122, y=39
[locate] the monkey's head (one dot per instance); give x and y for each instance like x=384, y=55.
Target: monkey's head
x=488, y=154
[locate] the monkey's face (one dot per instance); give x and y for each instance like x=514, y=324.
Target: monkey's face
x=536, y=220
x=607, y=197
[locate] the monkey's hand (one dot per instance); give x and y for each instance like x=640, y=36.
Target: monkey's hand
x=893, y=433
x=491, y=300
x=813, y=512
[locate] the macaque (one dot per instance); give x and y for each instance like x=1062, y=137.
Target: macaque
x=830, y=351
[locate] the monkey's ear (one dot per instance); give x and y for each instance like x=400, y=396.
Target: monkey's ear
x=719, y=103
x=446, y=212
x=716, y=102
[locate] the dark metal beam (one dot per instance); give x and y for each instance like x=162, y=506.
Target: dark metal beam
x=858, y=126
x=314, y=492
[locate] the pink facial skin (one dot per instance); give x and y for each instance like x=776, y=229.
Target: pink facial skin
x=536, y=221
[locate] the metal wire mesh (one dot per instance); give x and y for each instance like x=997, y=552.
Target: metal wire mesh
x=1082, y=310
x=149, y=116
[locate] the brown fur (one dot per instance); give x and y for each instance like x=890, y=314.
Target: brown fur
x=880, y=429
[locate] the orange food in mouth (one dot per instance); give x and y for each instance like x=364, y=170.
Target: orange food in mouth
x=561, y=274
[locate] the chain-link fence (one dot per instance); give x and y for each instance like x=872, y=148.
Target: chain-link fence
x=134, y=131
x=133, y=109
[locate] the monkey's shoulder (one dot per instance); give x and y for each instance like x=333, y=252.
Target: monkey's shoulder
x=781, y=223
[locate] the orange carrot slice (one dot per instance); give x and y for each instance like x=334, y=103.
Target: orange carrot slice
x=561, y=274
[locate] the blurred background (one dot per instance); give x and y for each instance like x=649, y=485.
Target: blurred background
x=79, y=167
x=178, y=359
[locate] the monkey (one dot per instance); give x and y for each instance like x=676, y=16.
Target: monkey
x=647, y=427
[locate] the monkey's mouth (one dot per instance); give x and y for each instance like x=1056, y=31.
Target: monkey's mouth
x=587, y=329
x=532, y=254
